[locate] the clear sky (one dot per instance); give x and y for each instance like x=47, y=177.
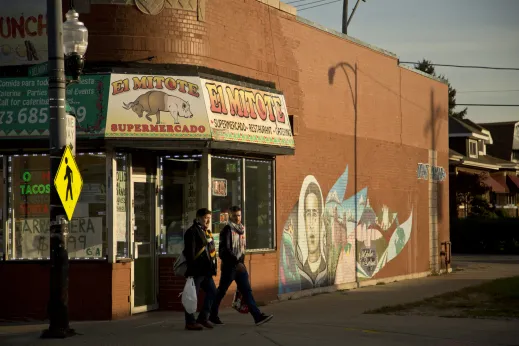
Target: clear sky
x=460, y=32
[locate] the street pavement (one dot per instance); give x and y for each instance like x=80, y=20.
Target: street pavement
x=334, y=318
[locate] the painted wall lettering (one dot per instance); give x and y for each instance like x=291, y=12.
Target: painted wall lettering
x=424, y=171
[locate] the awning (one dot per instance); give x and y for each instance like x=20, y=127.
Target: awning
x=495, y=184
x=513, y=181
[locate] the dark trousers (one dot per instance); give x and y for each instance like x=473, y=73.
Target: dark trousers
x=242, y=281
x=207, y=284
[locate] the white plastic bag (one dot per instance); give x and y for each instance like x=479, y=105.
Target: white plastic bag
x=189, y=299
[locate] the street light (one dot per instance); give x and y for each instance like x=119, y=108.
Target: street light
x=67, y=42
x=75, y=43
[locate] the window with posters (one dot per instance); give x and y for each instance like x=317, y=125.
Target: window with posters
x=29, y=198
x=249, y=184
x=226, y=190
x=2, y=207
x=122, y=191
x=179, y=199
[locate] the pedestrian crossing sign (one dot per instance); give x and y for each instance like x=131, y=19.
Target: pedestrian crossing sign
x=68, y=182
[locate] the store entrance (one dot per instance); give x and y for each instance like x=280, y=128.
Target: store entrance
x=144, y=244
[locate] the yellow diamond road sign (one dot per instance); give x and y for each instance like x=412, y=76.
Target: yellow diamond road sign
x=68, y=182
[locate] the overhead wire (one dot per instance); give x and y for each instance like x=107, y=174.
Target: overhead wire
x=303, y=8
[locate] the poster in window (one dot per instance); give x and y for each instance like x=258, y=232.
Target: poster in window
x=224, y=217
x=219, y=187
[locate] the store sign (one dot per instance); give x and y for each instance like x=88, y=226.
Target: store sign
x=149, y=106
x=156, y=107
x=23, y=32
x=24, y=106
x=241, y=114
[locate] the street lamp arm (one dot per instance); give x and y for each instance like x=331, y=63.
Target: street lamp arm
x=353, y=12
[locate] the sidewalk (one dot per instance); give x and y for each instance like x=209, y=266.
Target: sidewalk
x=334, y=319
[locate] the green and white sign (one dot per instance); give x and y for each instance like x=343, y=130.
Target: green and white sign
x=24, y=106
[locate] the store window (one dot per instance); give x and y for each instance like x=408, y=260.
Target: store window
x=2, y=207
x=122, y=210
x=258, y=216
x=250, y=188
x=179, y=199
x=29, y=198
x=226, y=190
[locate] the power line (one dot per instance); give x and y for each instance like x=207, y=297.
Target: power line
x=293, y=2
x=327, y=3
x=310, y=3
x=467, y=66
x=484, y=105
x=486, y=91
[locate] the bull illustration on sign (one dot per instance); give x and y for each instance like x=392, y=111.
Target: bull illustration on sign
x=154, y=102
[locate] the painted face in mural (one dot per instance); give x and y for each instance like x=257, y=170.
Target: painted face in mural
x=312, y=221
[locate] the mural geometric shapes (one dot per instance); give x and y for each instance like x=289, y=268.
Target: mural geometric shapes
x=151, y=7
x=368, y=260
x=336, y=194
x=400, y=238
x=189, y=5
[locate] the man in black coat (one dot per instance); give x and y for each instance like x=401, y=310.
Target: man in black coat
x=200, y=254
x=232, y=254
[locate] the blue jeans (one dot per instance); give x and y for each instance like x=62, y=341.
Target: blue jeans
x=207, y=284
x=242, y=281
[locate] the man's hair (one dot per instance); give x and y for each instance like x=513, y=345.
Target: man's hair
x=202, y=212
x=313, y=188
x=235, y=208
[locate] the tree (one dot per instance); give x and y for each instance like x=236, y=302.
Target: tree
x=427, y=67
x=470, y=191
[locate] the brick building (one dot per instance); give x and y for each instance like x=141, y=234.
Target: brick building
x=278, y=108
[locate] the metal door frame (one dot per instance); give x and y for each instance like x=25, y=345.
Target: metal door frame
x=144, y=178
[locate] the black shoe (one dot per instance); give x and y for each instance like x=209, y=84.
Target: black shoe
x=194, y=326
x=263, y=319
x=206, y=324
x=216, y=321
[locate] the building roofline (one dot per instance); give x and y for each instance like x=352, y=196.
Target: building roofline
x=412, y=69
x=346, y=37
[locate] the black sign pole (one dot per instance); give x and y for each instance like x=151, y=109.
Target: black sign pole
x=59, y=270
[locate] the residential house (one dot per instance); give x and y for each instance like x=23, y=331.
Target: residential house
x=485, y=150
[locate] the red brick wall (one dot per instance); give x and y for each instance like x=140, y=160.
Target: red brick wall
x=92, y=291
x=399, y=116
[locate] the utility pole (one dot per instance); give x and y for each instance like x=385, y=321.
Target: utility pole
x=59, y=270
x=345, y=17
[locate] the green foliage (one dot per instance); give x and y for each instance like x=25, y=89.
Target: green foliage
x=425, y=66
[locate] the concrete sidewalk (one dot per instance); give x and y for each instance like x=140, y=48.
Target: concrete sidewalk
x=335, y=319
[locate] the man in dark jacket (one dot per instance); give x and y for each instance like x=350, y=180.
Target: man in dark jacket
x=200, y=254
x=232, y=254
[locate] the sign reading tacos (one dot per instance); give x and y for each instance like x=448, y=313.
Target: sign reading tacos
x=247, y=115
x=156, y=106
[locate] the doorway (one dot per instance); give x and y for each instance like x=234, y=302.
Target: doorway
x=144, y=272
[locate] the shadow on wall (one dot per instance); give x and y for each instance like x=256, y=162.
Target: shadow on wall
x=432, y=128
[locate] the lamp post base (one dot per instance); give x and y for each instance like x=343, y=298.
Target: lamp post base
x=58, y=333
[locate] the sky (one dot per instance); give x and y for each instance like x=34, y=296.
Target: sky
x=459, y=32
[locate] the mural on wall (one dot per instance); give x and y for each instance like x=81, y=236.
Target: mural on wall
x=321, y=236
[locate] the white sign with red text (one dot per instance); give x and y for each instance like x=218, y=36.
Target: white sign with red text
x=156, y=106
x=23, y=32
x=241, y=114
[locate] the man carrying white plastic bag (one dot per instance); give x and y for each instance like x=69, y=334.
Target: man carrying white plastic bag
x=200, y=256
